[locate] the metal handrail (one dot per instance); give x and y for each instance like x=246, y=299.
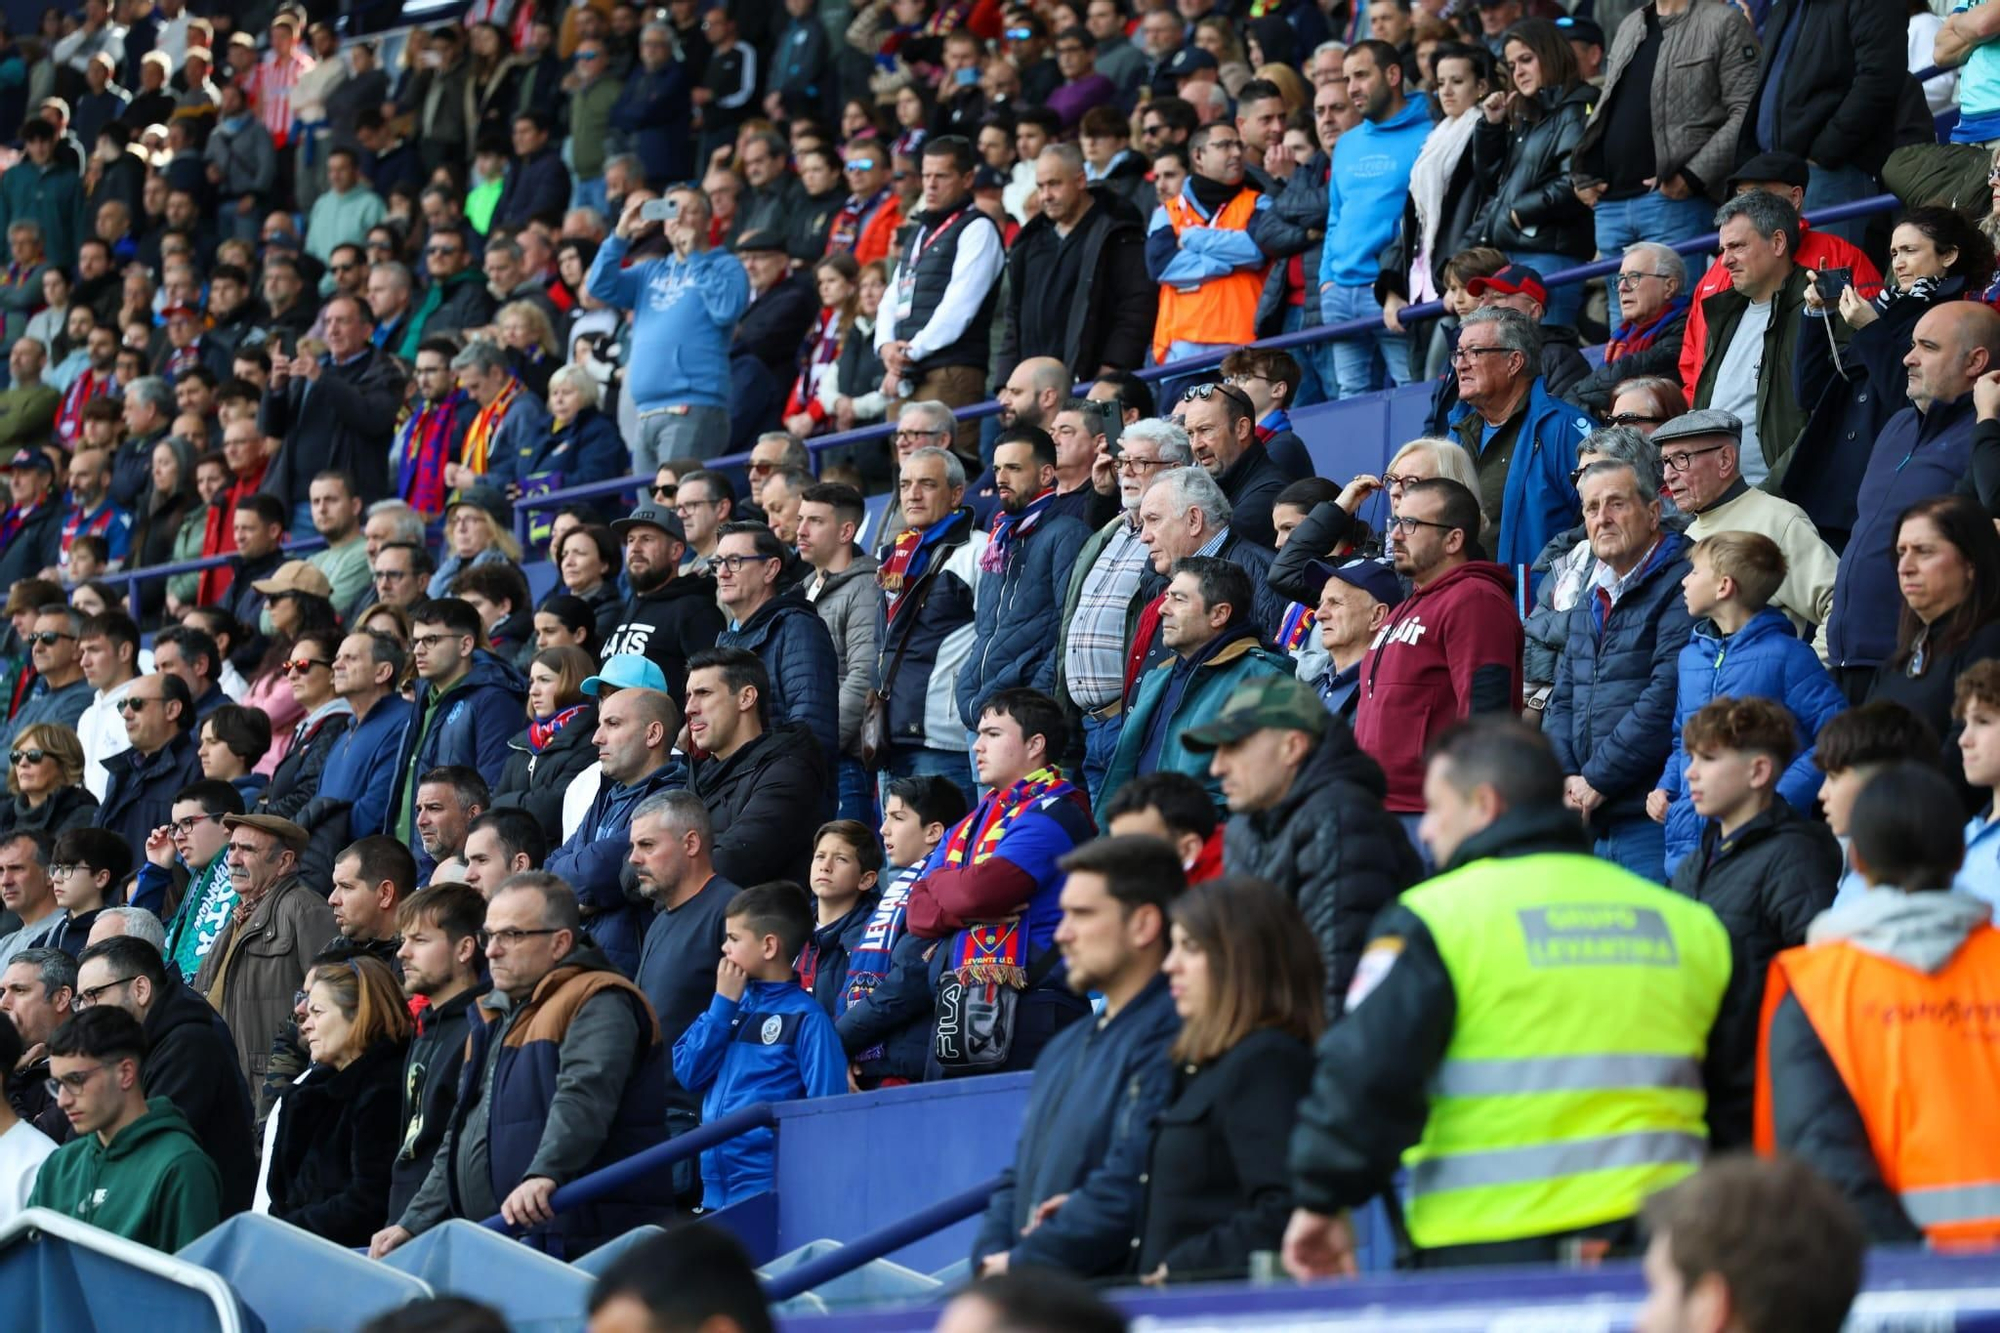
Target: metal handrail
x=133, y=578
x=590, y=1188
x=881, y=1242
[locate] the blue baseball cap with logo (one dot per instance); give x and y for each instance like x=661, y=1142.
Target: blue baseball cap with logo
x=626, y=671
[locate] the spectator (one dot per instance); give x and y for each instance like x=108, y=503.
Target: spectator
x=499, y=593
x=1702, y=455
x=1607, y=716
x=588, y=565
x=1497, y=820
x=37, y=993
x=475, y=525
x=231, y=739
x=507, y=411
x=635, y=746
x=92, y=510
x=1292, y=231
x=1754, y=324
x=1270, y=380
x=555, y=747
x=258, y=523
x=86, y=868
x=502, y=842
x=1097, y=1086
x=366, y=671
x=192, y=843
x=844, y=591
x=343, y=213
x=579, y=446
x=434, y=433
x=1077, y=288
x=1356, y=599
x=108, y=651
x=1936, y=256
x=242, y=165
x=50, y=194
x=1221, y=423
x=1177, y=810
x=139, y=791
x=439, y=953
x=327, y=1170
x=1849, y=751
x=316, y=737
x=581, y=1027
x=1185, y=513
x=763, y=784
x=932, y=333
x=1249, y=988
x=28, y=405
x=456, y=299
x=45, y=779
x=1650, y=322
x=448, y=800
x=1909, y=940
x=25, y=891
x=336, y=515
x=781, y=628
x=160, y=1188
x=652, y=109
x=774, y=194
x=1923, y=452
x=699, y=1273
x=23, y=1148
x=781, y=309
x=538, y=184
x=1974, y=710
x=1202, y=249
x=32, y=525
x=931, y=425
x=672, y=614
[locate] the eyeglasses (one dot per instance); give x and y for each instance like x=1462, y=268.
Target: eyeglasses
x=902, y=435
x=303, y=666
x=134, y=704
x=1463, y=355
x=61, y=869
x=390, y=575
x=1396, y=480
x=1127, y=463
x=686, y=507
x=1632, y=279
x=1227, y=145
x=1406, y=525
x=48, y=638
x=27, y=756
x=508, y=936
x=73, y=1082
x=1679, y=462
x=734, y=563
x=430, y=640
x=1633, y=419
x=86, y=997
x=184, y=827
x=441, y=250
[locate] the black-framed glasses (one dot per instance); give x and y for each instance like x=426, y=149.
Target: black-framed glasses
x=1406, y=524
x=134, y=704
x=1634, y=419
x=428, y=641
x=27, y=756
x=1462, y=355
x=686, y=507
x=73, y=1082
x=734, y=563
x=903, y=434
x=48, y=638
x=183, y=827
x=87, y=996
x=1631, y=279
x=1678, y=462
x=1391, y=480
x=390, y=575
x=509, y=936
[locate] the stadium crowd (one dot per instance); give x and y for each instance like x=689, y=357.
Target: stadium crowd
x=1537, y=817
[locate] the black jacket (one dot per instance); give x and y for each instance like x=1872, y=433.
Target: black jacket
x=1463, y=203
x=669, y=625
x=1330, y=845
x=191, y=1061
x=36, y=546
x=1252, y=484
x=774, y=326
x=677, y=970
x=429, y=1093
x=340, y=420
x=1929, y=696
x=1110, y=314
x=1217, y=1185
x=337, y=1135
x=66, y=808
x=1525, y=171
x=536, y=782
x=1294, y=224
x=1847, y=67
x=765, y=800
x=295, y=781
x=1596, y=390
x=139, y=795
x=1766, y=884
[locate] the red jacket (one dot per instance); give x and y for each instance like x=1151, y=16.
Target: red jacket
x=1450, y=650
x=1817, y=250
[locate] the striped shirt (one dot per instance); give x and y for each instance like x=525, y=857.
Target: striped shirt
x=271, y=90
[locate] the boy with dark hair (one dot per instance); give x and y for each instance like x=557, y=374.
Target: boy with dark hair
x=85, y=869
x=1765, y=869
x=885, y=1009
x=1176, y=809
x=1853, y=747
x=787, y=1048
x=846, y=867
x=1976, y=707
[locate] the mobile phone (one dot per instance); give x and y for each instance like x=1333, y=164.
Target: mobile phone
x=1831, y=282
x=659, y=210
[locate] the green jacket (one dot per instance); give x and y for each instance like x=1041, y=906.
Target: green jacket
x=187, y=546
x=1216, y=674
x=589, y=122
x=1781, y=418
x=153, y=1184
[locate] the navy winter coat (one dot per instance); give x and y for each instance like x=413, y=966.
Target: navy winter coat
x=140, y=791
x=655, y=114
x=1016, y=610
x=793, y=643
x=593, y=862
x=482, y=713
x=1613, y=701
x=535, y=188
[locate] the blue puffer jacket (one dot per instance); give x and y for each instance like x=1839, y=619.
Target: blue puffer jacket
x=1765, y=659
x=585, y=450
x=593, y=862
x=1540, y=500
x=793, y=643
x=1614, y=691
x=774, y=1045
x=1015, y=615
x=481, y=714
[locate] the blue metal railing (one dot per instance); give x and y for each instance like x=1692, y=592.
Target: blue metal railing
x=881, y=1242
x=134, y=578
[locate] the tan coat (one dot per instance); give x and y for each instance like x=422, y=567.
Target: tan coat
x=252, y=973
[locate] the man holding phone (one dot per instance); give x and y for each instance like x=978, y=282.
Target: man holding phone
x=685, y=306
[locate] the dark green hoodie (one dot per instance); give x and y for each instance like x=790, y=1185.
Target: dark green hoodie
x=153, y=1184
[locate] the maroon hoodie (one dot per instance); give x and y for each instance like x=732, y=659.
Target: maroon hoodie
x=1451, y=649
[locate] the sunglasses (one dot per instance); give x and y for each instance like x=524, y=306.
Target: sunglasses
x=27, y=756
x=1206, y=391
x=132, y=705
x=48, y=638
x=302, y=666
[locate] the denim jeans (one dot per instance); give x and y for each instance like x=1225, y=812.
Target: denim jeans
x=1638, y=844
x=1828, y=186
x=691, y=432
x=1100, y=742
x=857, y=792
x=1315, y=363
x=909, y=761
x=1373, y=360
x=1650, y=217
x=592, y=194
x=1564, y=302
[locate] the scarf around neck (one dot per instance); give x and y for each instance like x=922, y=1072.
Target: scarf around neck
x=1009, y=528
x=479, y=440
x=910, y=558
x=424, y=449
x=1430, y=181
x=996, y=952
x=542, y=730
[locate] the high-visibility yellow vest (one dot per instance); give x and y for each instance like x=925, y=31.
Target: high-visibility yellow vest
x=1572, y=1087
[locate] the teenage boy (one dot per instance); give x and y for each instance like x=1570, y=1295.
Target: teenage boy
x=193, y=836
x=1976, y=706
x=1176, y=809
x=846, y=866
x=787, y=1048
x=1851, y=749
x=1742, y=646
x=1763, y=867
x=887, y=1005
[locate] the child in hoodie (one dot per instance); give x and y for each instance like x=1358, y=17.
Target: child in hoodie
x=763, y=1038
x=1741, y=646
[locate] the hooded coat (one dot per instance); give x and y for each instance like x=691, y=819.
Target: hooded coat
x=793, y=643
x=765, y=800
x=191, y=1061
x=153, y=1184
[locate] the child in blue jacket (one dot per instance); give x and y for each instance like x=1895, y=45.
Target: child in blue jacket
x=763, y=1039
x=1742, y=647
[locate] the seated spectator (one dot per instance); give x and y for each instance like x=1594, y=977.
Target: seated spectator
x=846, y=869
x=60, y=693
x=190, y=1059
x=192, y=654
x=159, y=720
x=699, y=1273
x=1248, y=986
x=1976, y=710
x=108, y=650
x=1831, y=1082
x=672, y=613
x=367, y=668
x=191, y=847
x=587, y=565
x=432, y=436
x=38, y=993
x=765, y=927
x=1741, y=648
x=230, y=740
x=92, y=511
x=499, y=594
x=1175, y=809
x=580, y=1025
x=338, y=1124
x=1221, y=425
x=1295, y=633
x=87, y=866
x=579, y=444
x=34, y=519
x=1354, y=606
x=1072, y=1198
x=257, y=523
x=1650, y=323
x=439, y=928
x=779, y=625
x=23, y=1148
x=557, y=743
x=764, y=784
x=328, y=717
x=500, y=843
x=448, y=800
x=25, y=891
x=1270, y=380
x=1185, y=513
x=160, y=1189
x=476, y=533
x=45, y=780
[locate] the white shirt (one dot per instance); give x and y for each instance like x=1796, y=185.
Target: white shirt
x=582, y=790
x=232, y=683
x=102, y=731
x=975, y=267
x=22, y=1152
x=1736, y=384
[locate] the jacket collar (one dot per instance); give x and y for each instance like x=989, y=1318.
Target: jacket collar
x=1523, y=833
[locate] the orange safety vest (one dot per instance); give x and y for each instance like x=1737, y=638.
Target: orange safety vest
x=1920, y=1055
x=1221, y=310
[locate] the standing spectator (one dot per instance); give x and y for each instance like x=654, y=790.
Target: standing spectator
x=455, y=298
x=1293, y=230
x=346, y=210
x=1355, y=601
x=38, y=993
x=1649, y=324
x=725, y=94
x=538, y=184
x=933, y=330
x=594, y=96
x=242, y=165
x=333, y=413
x=439, y=928
x=570, y=1022
x=653, y=111
x=765, y=786
x=671, y=857
x=1072, y=1198
x=691, y=302
x=47, y=191
x=1202, y=249
x=1827, y=90
x=1664, y=134
x=1608, y=716
x=843, y=590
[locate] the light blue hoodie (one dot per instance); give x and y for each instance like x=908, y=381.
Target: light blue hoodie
x=1366, y=190
x=684, y=314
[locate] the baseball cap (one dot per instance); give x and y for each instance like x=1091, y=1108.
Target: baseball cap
x=1785, y=168
x=284, y=830
x=1189, y=60
x=1376, y=577
x=1271, y=701
x=651, y=516
x=985, y=177
x=1692, y=425
x=34, y=458
x=295, y=576
x=479, y=496
x=1511, y=280
x=759, y=238
x=1581, y=29
x=627, y=671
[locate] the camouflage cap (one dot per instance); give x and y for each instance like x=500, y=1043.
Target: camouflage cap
x=1269, y=701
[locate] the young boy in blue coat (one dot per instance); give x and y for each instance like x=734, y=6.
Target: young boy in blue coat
x=1741, y=647
x=763, y=1039
x=846, y=862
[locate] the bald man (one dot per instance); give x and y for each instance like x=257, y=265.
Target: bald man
x=1927, y=449
x=28, y=407
x=1031, y=393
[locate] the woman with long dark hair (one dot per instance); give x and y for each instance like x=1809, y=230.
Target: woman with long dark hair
x=1444, y=195
x=166, y=505
x=835, y=278
x=556, y=746
x=1250, y=988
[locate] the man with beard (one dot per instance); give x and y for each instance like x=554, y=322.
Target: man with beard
x=440, y=956
x=94, y=382
x=671, y=616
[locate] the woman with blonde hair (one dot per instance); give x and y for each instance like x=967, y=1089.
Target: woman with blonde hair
x=532, y=346
x=476, y=537
x=1334, y=529
x=334, y=1132
x=45, y=782
x=1289, y=84
x=556, y=745
x=580, y=445
x=1249, y=985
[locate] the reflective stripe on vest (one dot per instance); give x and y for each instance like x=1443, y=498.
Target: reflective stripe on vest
x=1943, y=1205
x=1221, y=310
x=1571, y=1088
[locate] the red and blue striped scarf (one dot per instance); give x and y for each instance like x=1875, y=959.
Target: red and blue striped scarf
x=543, y=730
x=1009, y=528
x=997, y=951
x=425, y=444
